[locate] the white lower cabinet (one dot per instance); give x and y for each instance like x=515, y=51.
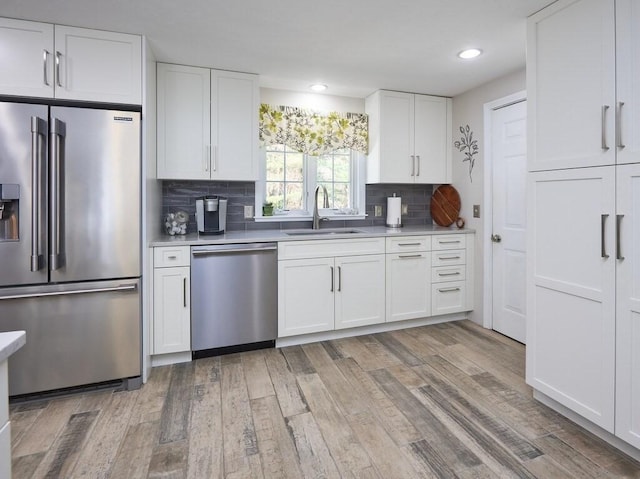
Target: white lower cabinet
x=171, y=300
x=408, y=278
x=5, y=450
x=359, y=291
x=305, y=296
x=328, y=286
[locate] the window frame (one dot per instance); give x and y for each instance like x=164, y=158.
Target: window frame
x=357, y=195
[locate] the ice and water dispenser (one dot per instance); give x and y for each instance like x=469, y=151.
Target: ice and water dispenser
x=9, y=211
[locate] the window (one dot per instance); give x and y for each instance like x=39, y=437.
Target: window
x=290, y=179
x=304, y=149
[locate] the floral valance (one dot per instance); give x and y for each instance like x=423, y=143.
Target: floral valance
x=312, y=132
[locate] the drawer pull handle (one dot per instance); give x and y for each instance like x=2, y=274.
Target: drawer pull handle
x=448, y=290
x=449, y=274
x=172, y=257
x=448, y=257
x=448, y=242
x=409, y=244
x=406, y=256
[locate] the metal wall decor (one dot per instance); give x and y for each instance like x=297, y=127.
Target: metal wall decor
x=467, y=145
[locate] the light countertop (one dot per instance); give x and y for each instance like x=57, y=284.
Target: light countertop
x=10, y=342
x=270, y=235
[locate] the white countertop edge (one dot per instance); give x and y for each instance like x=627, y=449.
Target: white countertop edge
x=10, y=342
x=271, y=235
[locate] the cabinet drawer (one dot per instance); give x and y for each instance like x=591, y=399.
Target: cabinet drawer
x=167, y=256
x=408, y=243
x=446, y=258
x=448, y=297
x=457, y=241
x=327, y=248
x=448, y=273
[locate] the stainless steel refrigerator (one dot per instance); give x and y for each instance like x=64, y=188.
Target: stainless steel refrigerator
x=70, y=244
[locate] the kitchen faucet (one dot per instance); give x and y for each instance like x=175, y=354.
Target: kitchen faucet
x=316, y=216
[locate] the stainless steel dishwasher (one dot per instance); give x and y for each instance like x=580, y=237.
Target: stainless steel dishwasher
x=234, y=297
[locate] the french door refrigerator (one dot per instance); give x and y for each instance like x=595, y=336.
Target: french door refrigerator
x=70, y=244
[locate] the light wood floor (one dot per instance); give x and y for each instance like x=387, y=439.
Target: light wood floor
x=439, y=401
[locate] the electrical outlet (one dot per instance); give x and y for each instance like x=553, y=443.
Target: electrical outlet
x=476, y=211
x=405, y=209
x=248, y=211
x=377, y=210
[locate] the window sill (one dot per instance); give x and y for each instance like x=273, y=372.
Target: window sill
x=287, y=218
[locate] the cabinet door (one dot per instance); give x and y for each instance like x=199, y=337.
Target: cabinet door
x=183, y=122
x=234, y=126
x=408, y=282
x=627, y=86
x=171, y=310
x=396, y=128
x=432, y=139
x=359, y=291
x=571, y=85
x=26, y=63
x=305, y=296
x=628, y=306
x=571, y=289
x=98, y=66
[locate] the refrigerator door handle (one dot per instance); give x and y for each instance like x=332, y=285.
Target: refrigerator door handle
x=122, y=287
x=57, y=132
x=38, y=130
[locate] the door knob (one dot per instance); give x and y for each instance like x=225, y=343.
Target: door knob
x=496, y=238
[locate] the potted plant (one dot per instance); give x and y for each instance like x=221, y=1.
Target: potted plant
x=267, y=209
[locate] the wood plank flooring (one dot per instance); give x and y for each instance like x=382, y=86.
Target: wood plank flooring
x=441, y=401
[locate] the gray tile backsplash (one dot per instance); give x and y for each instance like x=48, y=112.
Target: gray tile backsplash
x=182, y=194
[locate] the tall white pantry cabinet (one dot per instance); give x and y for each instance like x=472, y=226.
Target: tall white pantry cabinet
x=583, y=328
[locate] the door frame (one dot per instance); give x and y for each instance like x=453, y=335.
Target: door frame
x=487, y=223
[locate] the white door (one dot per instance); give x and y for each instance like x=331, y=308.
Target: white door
x=408, y=285
x=171, y=310
x=627, y=254
x=396, y=137
x=509, y=167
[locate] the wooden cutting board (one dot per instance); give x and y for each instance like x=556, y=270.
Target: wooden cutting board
x=445, y=205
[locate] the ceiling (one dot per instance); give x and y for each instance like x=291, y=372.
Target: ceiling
x=354, y=46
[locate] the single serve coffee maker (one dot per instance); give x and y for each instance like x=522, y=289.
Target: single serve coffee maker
x=211, y=215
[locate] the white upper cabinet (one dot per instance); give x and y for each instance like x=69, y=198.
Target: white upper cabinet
x=184, y=119
x=53, y=61
x=234, y=126
x=97, y=66
x=627, y=84
x=582, y=69
x=26, y=63
x=207, y=124
x=409, y=138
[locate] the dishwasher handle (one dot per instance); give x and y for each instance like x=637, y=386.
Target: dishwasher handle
x=206, y=252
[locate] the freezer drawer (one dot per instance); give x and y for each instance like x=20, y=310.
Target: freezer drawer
x=76, y=334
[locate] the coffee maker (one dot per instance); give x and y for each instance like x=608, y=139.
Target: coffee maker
x=211, y=215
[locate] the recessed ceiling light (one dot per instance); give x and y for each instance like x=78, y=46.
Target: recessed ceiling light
x=318, y=87
x=469, y=53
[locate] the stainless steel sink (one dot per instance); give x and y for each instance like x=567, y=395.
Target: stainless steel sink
x=322, y=232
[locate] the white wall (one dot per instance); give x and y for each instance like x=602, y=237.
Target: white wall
x=468, y=109
x=313, y=101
